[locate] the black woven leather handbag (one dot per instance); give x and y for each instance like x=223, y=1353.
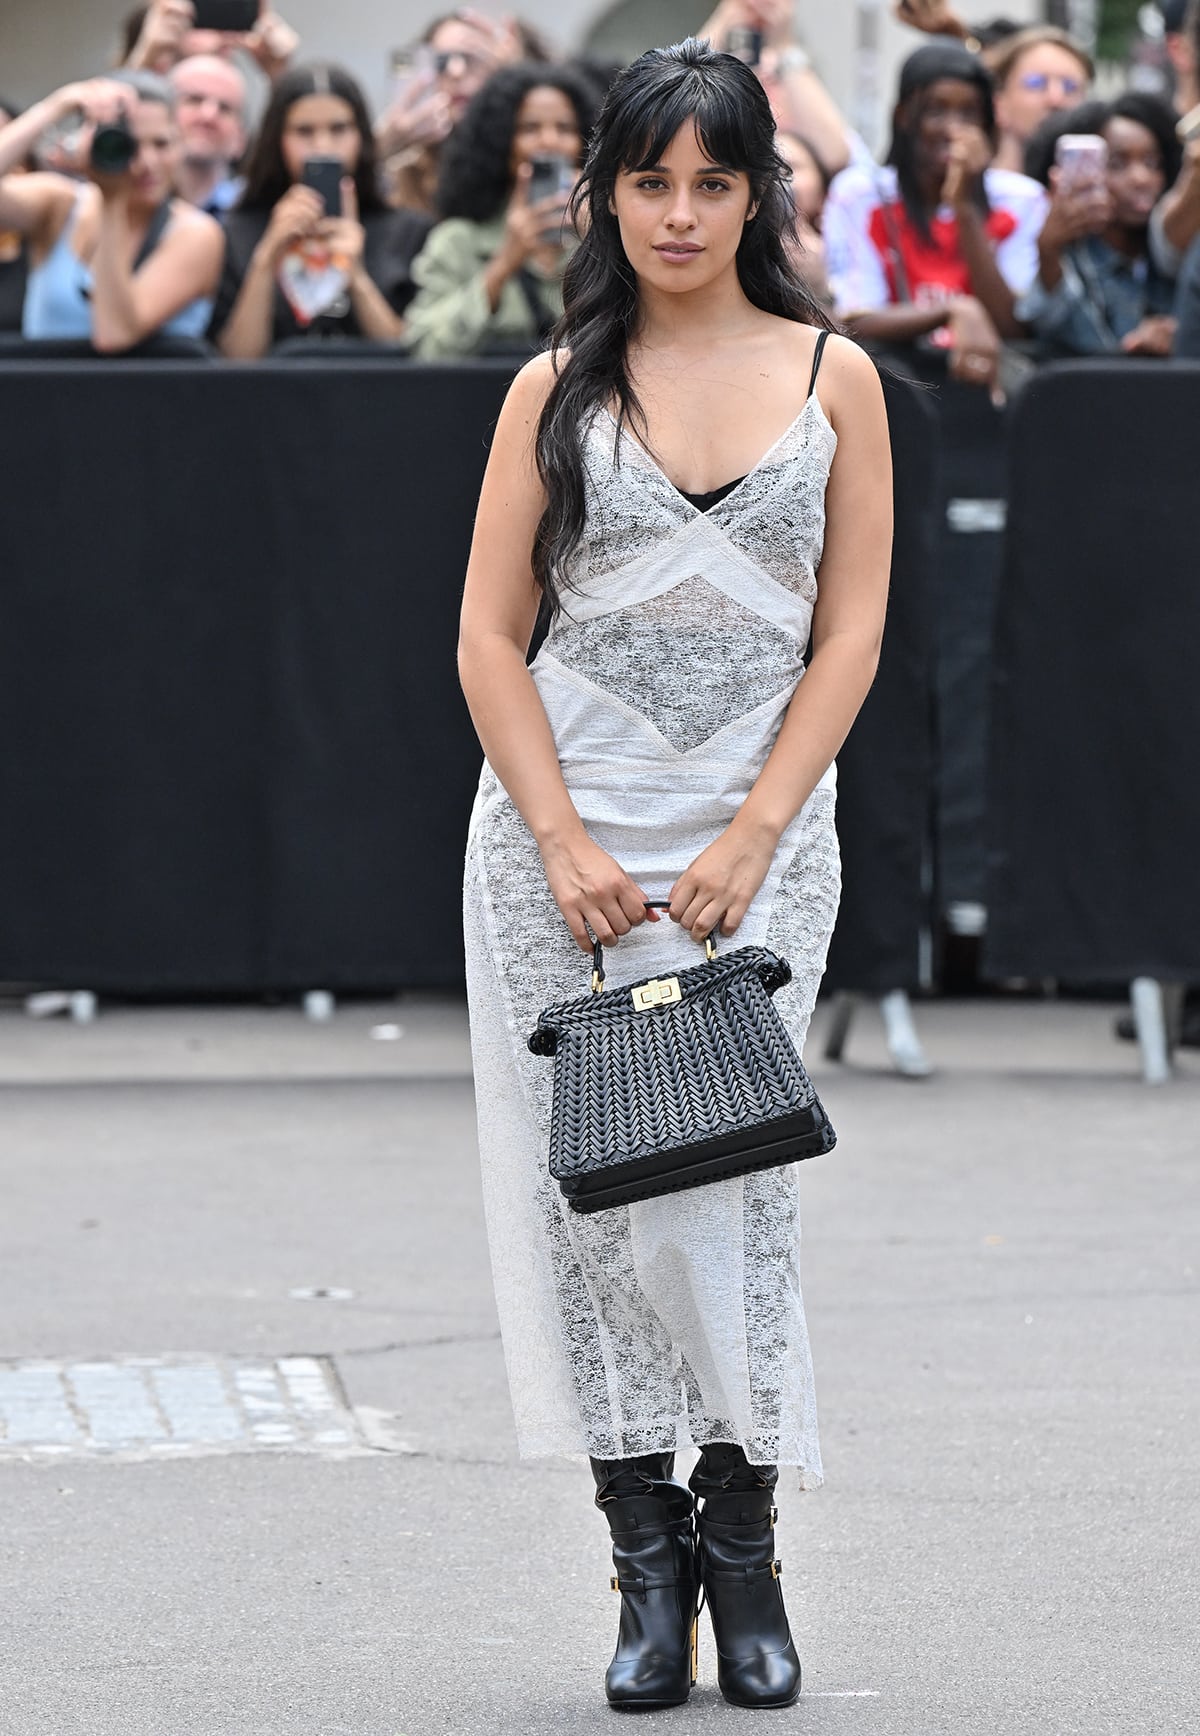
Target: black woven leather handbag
x=676, y=1081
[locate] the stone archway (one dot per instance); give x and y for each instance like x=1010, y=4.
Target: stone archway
x=626, y=28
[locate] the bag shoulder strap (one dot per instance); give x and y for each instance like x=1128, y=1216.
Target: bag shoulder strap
x=543, y=320
x=155, y=231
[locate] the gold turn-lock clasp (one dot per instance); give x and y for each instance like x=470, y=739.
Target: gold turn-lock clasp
x=659, y=993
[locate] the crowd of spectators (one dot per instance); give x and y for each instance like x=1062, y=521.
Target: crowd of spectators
x=213, y=185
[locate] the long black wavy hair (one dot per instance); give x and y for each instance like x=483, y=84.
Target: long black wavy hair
x=267, y=178
x=475, y=179
x=647, y=104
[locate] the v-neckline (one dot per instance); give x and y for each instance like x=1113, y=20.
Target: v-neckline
x=626, y=433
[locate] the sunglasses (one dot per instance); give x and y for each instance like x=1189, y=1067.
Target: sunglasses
x=1041, y=81
x=471, y=62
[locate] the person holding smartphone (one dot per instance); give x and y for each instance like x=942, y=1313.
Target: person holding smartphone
x=267, y=292
x=116, y=258
x=158, y=36
x=490, y=276
x=1099, y=289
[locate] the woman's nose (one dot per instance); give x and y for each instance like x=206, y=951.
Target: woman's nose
x=681, y=215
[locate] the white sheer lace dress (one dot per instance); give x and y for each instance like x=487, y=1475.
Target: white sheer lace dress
x=678, y=1320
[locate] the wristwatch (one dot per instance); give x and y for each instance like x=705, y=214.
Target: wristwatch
x=793, y=58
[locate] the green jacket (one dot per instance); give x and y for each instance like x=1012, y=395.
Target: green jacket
x=449, y=316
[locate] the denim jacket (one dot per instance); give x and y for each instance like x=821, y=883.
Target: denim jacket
x=1102, y=296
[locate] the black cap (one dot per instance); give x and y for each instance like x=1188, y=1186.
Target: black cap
x=943, y=60
x=1173, y=14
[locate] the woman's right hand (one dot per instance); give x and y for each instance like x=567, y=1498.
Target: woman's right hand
x=298, y=215
x=530, y=229
x=593, y=891
x=1076, y=209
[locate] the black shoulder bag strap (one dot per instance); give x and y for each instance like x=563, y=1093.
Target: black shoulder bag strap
x=544, y=321
x=155, y=231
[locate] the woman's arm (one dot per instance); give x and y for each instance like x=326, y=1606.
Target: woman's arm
x=348, y=239
x=37, y=202
x=129, y=306
x=456, y=299
x=248, y=332
x=500, y=605
x=718, y=887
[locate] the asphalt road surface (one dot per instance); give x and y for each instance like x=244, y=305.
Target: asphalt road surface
x=257, y=1466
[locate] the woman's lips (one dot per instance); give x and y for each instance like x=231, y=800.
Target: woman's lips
x=678, y=251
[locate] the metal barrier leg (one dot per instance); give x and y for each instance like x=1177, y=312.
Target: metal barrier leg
x=845, y=1005
x=904, y=1045
x=1148, y=1000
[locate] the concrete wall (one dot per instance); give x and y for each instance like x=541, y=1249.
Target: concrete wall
x=43, y=43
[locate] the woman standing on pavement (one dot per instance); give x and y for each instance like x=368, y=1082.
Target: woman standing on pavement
x=691, y=480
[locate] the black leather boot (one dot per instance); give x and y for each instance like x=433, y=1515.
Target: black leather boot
x=650, y=1517
x=756, y=1660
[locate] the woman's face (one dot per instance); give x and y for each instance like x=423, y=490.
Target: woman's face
x=942, y=112
x=1043, y=80
x=1136, y=179
x=681, y=220
x=463, y=62
x=320, y=126
x=152, y=172
x=546, y=126
x=807, y=183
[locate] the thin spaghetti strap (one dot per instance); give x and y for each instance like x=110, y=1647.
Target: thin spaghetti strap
x=817, y=353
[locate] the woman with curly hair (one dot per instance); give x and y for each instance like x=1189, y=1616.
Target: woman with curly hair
x=490, y=276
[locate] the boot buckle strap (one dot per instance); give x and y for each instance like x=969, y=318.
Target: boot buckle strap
x=639, y=1585
x=746, y=1575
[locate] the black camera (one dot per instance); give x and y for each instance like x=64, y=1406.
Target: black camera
x=113, y=148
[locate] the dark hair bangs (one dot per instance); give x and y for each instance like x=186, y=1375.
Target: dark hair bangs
x=652, y=99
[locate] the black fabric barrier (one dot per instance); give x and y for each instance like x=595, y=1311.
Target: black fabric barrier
x=885, y=769
x=235, y=754
x=1095, y=801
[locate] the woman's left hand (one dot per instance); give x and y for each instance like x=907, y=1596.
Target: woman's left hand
x=345, y=235
x=718, y=888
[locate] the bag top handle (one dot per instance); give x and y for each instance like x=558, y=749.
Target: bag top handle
x=710, y=947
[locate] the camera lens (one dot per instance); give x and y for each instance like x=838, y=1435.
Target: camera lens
x=113, y=149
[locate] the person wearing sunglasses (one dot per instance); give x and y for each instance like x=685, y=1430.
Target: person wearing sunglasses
x=1036, y=73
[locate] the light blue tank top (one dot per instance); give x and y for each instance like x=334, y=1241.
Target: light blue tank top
x=56, y=296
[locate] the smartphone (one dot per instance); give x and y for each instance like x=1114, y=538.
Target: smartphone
x=411, y=66
x=551, y=177
x=745, y=44
x=1082, y=159
x=325, y=176
x=232, y=15
x=1187, y=127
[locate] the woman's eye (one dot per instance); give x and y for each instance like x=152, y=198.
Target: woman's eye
x=651, y=184
x=715, y=186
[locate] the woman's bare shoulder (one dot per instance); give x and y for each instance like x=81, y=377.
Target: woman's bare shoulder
x=533, y=384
